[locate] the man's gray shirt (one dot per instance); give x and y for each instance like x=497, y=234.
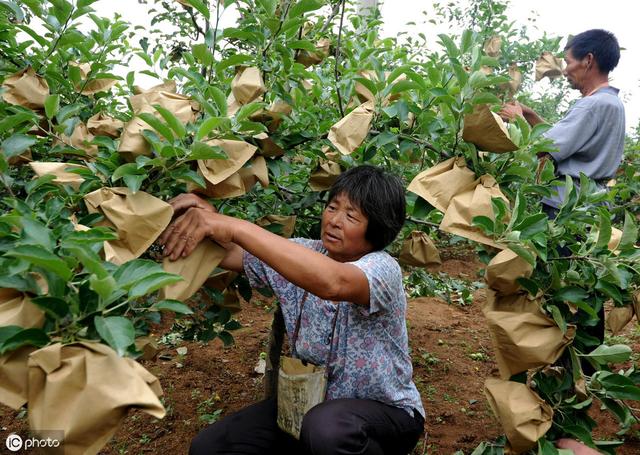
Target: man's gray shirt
x=590, y=139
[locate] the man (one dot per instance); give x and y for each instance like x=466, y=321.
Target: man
x=590, y=138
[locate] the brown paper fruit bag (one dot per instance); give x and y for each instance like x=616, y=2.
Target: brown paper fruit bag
x=475, y=201
x=271, y=116
x=324, y=175
x=237, y=184
x=486, y=130
x=492, y=46
x=61, y=171
x=503, y=271
x=195, y=269
x=548, y=66
x=349, y=132
x=138, y=218
x=166, y=86
x=438, y=184
x=217, y=170
x=247, y=85
x=524, y=416
x=14, y=375
x=86, y=390
x=514, y=84
x=103, y=125
x=523, y=336
x=80, y=139
x=286, y=223
x=418, y=250
x=619, y=317
x=25, y=88
x=307, y=58
x=267, y=146
x=16, y=309
x=148, y=345
x=93, y=86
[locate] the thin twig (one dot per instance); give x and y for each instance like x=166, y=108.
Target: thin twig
x=55, y=43
x=199, y=30
x=277, y=32
x=215, y=39
x=424, y=223
x=332, y=15
x=337, y=59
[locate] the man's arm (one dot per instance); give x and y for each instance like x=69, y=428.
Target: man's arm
x=510, y=111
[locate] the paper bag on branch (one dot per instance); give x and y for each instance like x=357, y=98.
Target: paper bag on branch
x=487, y=131
x=94, y=85
x=438, y=184
x=138, y=218
x=523, y=336
x=307, y=58
x=86, y=390
x=619, y=317
x=14, y=374
x=238, y=153
x=80, y=139
x=23, y=158
x=16, y=309
x=104, y=125
x=271, y=116
x=237, y=184
x=166, y=86
x=148, y=345
x=614, y=241
x=221, y=280
x=195, y=269
x=475, y=201
x=324, y=175
x=492, y=46
x=548, y=66
x=26, y=88
x=267, y=146
x=636, y=304
x=247, y=85
x=503, y=271
x=514, y=84
x=365, y=95
x=61, y=171
x=418, y=250
x=287, y=223
x=524, y=416
x=349, y=132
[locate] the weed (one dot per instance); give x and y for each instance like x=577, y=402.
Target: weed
x=448, y=398
x=479, y=356
x=420, y=283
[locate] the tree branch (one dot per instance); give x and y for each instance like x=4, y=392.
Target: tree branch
x=337, y=59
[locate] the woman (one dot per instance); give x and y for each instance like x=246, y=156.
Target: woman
x=372, y=406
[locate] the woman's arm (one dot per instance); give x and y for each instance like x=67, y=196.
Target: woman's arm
x=308, y=269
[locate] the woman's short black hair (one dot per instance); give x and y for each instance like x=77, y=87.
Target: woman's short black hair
x=601, y=43
x=380, y=197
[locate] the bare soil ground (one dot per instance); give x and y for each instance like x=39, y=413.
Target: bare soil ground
x=452, y=357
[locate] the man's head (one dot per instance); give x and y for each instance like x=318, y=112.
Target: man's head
x=590, y=55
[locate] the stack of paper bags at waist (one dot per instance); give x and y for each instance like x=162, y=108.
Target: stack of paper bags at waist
x=195, y=269
x=438, y=184
x=278, y=224
x=419, y=250
x=132, y=142
x=503, y=271
x=235, y=175
x=486, y=130
x=523, y=336
x=247, y=86
x=473, y=201
x=80, y=388
x=138, y=219
x=525, y=417
x=25, y=88
x=349, y=132
x=548, y=66
x=62, y=171
x=94, y=85
x=104, y=125
x=80, y=139
x=308, y=58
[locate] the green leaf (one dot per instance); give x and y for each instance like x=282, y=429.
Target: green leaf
x=403, y=86
x=53, y=306
x=51, y=105
x=581, y=433
x=16, y=144
x=247, y=110
x=15, y=9
x=202, y=53
x=157, y=125
x=449, y=45
x=531, y=226
x=610, y=354
x=202, y=151
x=152, y=283
x=304, y=6
x=26, y=337
x=8, y=331
x=220, y=99
x=523, y=253
x=210, y=124
x=557, y=317
x=571, y=294
x=485, y=98
x=172, y=305
x=201, y=7
x=619, y=386
x=36, y=233
x=41, y=258
x=485, y=223
x=173, y=122
x=237, y=59
x=629, y=233
x=104, y=287
x=367, y=83
x=117, y=331
x=604, y=232
x=134, y=271
x=126, y=169
x=268, y=5
x=302, y=44
x=90, y=260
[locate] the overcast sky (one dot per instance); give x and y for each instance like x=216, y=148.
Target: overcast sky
x=556, y=17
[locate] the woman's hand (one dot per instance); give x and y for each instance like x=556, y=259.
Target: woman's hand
x=577, y=447
x=183, y=235
x=185, y=201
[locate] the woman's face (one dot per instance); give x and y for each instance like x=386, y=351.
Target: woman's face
x=343, y=230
